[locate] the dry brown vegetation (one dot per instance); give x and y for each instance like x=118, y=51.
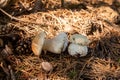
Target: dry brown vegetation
x=98, y=20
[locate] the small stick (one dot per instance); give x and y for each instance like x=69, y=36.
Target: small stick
x=20, y=20
x=11, y=73
x=4, y=69
x=62, y=3
x=16, y=19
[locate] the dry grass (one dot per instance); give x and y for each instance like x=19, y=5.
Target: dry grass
x=98, y=24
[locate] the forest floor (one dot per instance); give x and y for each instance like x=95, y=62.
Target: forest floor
x=99, y=21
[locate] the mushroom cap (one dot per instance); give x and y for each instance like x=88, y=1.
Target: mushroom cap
x=46, y=66
x=56, y=45
x=75, y=49
x=37, y=43
x=79, y=39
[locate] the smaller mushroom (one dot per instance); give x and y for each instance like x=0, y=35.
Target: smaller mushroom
x=56, y=45
x=75, y=49
x=46, y=66
x=37, y=43
x=79, y=39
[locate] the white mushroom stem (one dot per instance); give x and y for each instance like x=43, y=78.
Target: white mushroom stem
x=56, y=45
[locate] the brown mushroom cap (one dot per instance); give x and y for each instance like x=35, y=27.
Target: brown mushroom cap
x=37, y=43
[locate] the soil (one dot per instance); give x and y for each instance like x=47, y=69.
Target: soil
x=23, y=20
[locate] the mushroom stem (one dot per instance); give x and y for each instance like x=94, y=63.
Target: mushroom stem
x=56, y=45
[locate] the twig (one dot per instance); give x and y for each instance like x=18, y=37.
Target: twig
x=84, y=66
x=20, y=20
x=16, y=19
x=11, y=73
x=62, y=3
x=6, y=71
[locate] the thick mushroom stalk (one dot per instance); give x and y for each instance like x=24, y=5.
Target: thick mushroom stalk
x=37, y=43
x=56, y=45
